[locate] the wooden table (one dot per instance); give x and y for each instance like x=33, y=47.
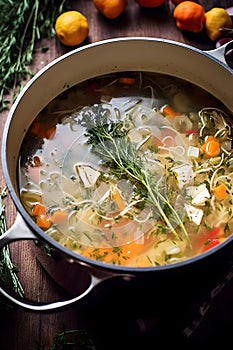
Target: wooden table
x=22, y=329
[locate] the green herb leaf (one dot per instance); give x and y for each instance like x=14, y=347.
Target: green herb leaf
x=110, y=141
x=8, y=271
x=22, y=24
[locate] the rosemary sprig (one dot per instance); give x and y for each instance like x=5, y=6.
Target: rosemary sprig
x=23, y=23
x=8, y=271
x=70, y=339
x=109, y=140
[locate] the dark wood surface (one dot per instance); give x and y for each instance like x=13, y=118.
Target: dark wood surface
x=22, y=329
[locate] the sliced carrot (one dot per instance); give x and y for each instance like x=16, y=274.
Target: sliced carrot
x=39, y=209
x=42, y=218
x=135, y=248
x=59, y=216
x=117, y=197
x=211, y=147
x=169, y=111
x=220, y=191
x=127, y=80
x=120, y=255
x=43, y=221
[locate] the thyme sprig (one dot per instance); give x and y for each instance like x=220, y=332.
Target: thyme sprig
x=110, y=141
x=23, y=23
x=8, y=271
x=70, y=339
x=77, y=338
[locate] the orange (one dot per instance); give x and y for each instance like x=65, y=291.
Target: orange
x=110, y=8
x=150, y=3
x=71, y=28
x=189, y=16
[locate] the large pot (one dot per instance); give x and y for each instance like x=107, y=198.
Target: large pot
x=204, y=69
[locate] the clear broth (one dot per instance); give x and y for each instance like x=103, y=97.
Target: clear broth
x=131, y=168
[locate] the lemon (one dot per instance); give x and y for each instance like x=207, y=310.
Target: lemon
x=71, y=28
x=215, y=19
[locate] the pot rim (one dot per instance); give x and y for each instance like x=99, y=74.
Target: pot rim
x=28, y=219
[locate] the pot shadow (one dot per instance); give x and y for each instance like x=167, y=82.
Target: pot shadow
x=190, y=306
x=143, y=314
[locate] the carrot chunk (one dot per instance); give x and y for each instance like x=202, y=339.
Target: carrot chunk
x=117, y=197
x=220, y=191
x=39, y=209
x=43, y=221
x=211, y=147
x=169, y=111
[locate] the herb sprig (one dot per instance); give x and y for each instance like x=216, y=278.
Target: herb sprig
x=70, y=339
x=23, y=23
x=8, y=271
x=110, y=141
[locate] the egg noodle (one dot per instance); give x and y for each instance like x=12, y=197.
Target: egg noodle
x=131, y=168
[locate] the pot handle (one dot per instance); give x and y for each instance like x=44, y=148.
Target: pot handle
x=223, y=53
x=19, y=231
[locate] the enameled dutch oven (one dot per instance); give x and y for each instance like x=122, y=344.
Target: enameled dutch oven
x=208, y=70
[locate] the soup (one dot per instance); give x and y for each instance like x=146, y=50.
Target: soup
x=131, y=168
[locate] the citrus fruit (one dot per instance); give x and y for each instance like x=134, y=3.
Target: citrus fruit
x=110, y=8
x=215, y=19
x=71, y=28
x=189, y=16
